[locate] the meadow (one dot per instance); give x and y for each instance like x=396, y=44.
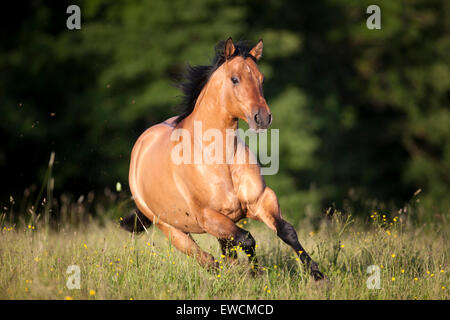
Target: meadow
x=362, y=114
x=413, y=261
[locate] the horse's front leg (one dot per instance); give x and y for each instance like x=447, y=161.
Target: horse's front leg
x=229, y=234
x=267, y=210
x=227, y=249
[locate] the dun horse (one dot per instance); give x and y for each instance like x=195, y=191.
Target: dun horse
x=181, y=199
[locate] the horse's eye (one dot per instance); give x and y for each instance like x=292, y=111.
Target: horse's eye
x=235, y=80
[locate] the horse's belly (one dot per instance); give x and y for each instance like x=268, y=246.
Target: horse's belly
x=179, y=203
x=167, y=203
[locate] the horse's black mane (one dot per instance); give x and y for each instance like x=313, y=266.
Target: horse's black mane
x=196, y=77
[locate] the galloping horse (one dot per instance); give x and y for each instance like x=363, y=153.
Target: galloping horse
x=181, y=199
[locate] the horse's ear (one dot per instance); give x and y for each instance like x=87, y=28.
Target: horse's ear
x=229, y=48
x=257, y=50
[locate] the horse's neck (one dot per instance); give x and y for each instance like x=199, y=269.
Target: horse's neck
x=210, y=111
x=210, y=114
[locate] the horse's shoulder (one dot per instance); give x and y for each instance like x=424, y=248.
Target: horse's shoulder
x=248, y=182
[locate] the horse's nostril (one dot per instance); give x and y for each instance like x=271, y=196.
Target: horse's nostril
x=257, y=118
x=270, y=118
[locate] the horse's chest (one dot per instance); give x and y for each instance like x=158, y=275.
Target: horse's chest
x=223, y=199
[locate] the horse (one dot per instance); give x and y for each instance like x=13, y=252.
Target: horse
x=193, y=198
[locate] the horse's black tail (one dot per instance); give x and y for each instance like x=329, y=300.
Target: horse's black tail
x=135, y=222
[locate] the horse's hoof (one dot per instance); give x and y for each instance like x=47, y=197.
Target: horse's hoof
x=319, y=276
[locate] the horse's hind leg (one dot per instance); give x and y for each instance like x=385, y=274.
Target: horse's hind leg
x=184, y=243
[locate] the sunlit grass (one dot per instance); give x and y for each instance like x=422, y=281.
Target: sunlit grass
x=114, y=264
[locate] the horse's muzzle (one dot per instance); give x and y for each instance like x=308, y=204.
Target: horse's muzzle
x=261, y=120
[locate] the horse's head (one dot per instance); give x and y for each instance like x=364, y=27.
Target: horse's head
x=243, y=87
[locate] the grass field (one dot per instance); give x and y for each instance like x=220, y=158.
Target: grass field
x=412, y=260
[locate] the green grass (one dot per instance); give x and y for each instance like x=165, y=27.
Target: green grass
x=118, y=265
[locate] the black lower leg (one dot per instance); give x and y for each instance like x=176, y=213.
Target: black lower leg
x=245, y=240
x=287, y=233
x=226, y=247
